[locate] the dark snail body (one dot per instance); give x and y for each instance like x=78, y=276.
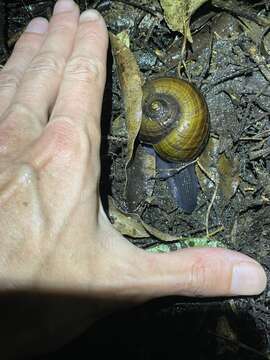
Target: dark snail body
x=175, y=122
x=183, y=185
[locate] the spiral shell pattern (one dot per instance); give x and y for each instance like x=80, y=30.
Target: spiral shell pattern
x=175, y=119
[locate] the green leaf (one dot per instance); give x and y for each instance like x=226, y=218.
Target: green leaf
x=184, y=243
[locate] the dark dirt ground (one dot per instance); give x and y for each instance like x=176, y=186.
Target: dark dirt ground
x=228, y=64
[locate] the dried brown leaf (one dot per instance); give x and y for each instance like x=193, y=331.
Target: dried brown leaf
x=126, y=224
x=229, y=176
x=178, y=12
x=140, y=178
x=159, y=234
x=131, y=86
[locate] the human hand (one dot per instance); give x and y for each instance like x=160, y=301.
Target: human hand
x=54, y=235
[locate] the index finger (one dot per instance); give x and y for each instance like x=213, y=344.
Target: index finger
x=80, y=95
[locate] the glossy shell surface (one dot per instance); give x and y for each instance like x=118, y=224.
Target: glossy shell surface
x=183, y=133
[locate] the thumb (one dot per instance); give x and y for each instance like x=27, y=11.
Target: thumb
x=200, y=272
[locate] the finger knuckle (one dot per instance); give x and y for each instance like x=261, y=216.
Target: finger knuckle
x=20, y=110
x=28, y=43
x=68, y=139
x=88, y=33
x=9, y=79
x=20, y=122
x=199, y=277
x=47, y=62
x=62, y=22
x=61, y=29
x=84, y=69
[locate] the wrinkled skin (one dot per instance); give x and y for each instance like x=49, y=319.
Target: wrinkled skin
x=57, y=246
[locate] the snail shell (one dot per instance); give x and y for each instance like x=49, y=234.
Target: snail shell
x=175, y=119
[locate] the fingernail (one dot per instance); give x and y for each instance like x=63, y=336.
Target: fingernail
x=248, y=279
x=37, y=25
x=89, y=15
x=63, y=6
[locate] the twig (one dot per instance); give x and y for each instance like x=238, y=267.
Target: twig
x=216, y=182
x=172, y=171
x=231, y=76
x=243, y=11
x=257, y=137
x=218, y=230
x=156, y=13
x=182, y=57
x=209, y=209
x=206, y=69
x=205, y=171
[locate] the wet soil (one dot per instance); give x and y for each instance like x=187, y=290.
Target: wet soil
x=228, y=62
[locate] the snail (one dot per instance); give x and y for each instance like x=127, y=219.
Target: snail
x=175, y=121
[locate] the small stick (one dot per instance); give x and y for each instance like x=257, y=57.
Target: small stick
x=218, y=230
x=216, y=182
x=209, y=209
